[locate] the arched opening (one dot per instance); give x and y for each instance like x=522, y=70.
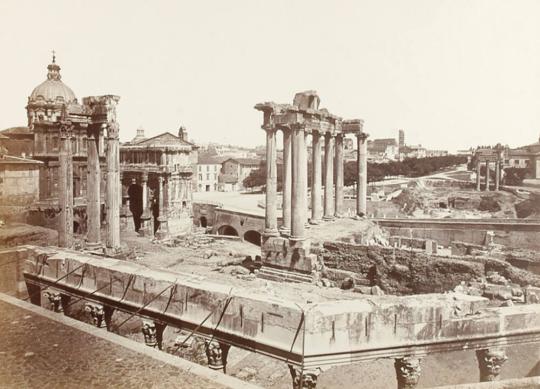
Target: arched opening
x=135, y=204
x=253, y=237
x=227, y=230
x=203, y=222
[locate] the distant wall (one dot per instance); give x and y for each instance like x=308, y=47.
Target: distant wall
x=511, y=233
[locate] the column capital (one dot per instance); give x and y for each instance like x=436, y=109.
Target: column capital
x=408, y=371
x=97, y=312
x=113, y=130
x=144, y=177
x=490, y=363
x=66, y=130
x=304, y=379
x=217, y=353
x=55, y=301
x=150, y=333
x=362, y=135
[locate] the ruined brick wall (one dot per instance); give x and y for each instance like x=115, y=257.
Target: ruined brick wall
x=401, y=271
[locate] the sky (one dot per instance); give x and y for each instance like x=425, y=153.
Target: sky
x=451, y=73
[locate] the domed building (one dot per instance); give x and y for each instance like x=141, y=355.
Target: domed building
x=50, y=104
x=61, y=126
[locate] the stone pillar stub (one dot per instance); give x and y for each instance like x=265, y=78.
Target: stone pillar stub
x=339, y=176
x=478, y=166
x=328, y=177
x=316, y=179
x=361, y=185
x=270, y=224
x=299, y=185
x=408, y=371
x=304, y=378
x=217, y=353
x=287, y=182
x=497, y=175
x=490, y=363
x=487, y=176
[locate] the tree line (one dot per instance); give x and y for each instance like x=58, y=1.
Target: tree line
x=410, y=167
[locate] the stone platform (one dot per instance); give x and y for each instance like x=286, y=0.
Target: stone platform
x=75, y=355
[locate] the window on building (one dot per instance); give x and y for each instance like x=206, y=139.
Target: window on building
x=200, y=177
x=506, y=161
x=208, y=177
x=207, y=168
x=215, y=176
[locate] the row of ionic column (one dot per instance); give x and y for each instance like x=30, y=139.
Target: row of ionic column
x=295, y=179
x=487, y=178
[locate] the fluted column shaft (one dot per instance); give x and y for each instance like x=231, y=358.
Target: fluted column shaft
x=361, y=185
x=339, y=175
x=299, y=185
x=270, y=223
x=287, y=181
x=487, y=176
x=316, y=178
x=478, y=175
x=113, y=187
x=497, y=174
x=65, y=190
x=93, y=207
x=329, y=177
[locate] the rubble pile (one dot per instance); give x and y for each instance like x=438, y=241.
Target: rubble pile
x=497, y=287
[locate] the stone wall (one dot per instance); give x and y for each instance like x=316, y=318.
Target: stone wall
x=512, y=234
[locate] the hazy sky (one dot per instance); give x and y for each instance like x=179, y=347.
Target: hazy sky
x=451, y=73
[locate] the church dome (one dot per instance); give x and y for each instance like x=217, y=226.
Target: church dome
x=53, y=89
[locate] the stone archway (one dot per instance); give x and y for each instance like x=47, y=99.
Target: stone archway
x=227, y=230
x=253, y=237
x=136, y=204
x=203, y=222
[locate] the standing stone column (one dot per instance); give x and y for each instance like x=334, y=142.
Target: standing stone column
x=497, y=174
x=287, y=182
x=316, y=179
x=113, y=187
x=93, y=206
x=408, y=371
x=329, y=177
x=146, y=217
x=299, y=185
x=339, y=175
x=478, y=165
x=270, y=223
x=490, y=362
x=163, y=230
x=361, y=185
x=65, y=187
x=487, y=176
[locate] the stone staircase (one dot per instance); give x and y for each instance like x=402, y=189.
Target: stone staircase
x=274, y=274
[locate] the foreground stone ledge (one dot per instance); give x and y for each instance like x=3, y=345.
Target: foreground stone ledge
x=325, y=333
